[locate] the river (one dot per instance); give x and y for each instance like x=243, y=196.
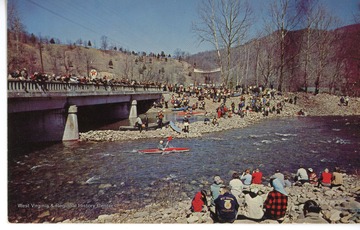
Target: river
x=86, y=179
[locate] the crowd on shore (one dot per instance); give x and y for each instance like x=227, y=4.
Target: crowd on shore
x=248, y=198
x=225, y=109
x=226, y=199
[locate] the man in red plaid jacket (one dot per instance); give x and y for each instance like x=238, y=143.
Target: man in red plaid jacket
x=276, y=201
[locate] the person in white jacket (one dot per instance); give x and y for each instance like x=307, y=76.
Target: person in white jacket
x=254, y=205
x=236, y=186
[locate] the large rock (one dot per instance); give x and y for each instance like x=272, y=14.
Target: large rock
x=351, y=206
x=192, y=219
x=335, y=215
x=330, y=193
x=104, y=218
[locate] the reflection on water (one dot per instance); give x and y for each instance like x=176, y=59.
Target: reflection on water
x=115, y=175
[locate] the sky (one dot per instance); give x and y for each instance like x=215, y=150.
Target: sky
x=135, y=25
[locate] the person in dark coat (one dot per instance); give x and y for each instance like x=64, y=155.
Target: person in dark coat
x=226, y=206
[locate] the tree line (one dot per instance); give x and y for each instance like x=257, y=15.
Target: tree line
x=297, y=48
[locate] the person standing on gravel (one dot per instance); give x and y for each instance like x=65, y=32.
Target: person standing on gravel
x=139, y=123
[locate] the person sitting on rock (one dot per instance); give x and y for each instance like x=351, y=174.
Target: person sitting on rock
x=215, y=188
x=276, y=202
x=313, y=179
x=236, y=186
x=246, y=176
x=311, y=214
x=226, y=207
x=301, y=176
x=256, y=177
x=253, y=206
x=325, y=178
x=337, y=178
x=199, y=202
x=279, y=176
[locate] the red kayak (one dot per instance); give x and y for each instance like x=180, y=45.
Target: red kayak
x=166, y=150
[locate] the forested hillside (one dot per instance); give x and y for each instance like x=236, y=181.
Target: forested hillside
x=330, y=63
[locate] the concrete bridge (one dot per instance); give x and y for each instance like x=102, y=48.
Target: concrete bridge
x=55, y=111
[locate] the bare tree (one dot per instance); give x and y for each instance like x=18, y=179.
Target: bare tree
x=325, y=48
x=224, y=24
x=309, y=12
x=104, y=42
x=357, y=14
x=267, y=69
x=15, y=28
x=284, y=18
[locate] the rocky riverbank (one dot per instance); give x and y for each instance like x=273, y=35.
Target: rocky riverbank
x=339, y=205
x=312, y=105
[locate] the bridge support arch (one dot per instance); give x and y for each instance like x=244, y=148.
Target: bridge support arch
x=71, y=131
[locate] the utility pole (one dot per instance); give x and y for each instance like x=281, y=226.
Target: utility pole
x=41, y=59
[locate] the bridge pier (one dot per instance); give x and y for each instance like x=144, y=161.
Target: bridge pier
x=133, y=109
x=71, y=131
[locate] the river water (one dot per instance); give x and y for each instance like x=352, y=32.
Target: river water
x=86, y=179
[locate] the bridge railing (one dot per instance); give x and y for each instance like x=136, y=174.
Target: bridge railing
x=27, y=86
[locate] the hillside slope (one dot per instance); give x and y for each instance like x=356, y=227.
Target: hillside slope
x=79, y=61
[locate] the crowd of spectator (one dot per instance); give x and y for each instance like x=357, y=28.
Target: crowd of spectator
x=43, y=78
x=246, y=191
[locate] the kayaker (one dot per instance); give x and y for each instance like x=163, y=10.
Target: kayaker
x=161, y=145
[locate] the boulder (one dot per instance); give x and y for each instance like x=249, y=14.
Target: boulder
x=192, y=219
x=335, y=215
x=104, y=218
x=345, y=219
x=352, y=206
x=330, y=193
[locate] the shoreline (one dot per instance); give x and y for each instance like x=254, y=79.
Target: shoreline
x=319, y=105
x=339, y=205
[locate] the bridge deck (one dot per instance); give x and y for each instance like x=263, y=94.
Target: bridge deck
x=17, y=88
